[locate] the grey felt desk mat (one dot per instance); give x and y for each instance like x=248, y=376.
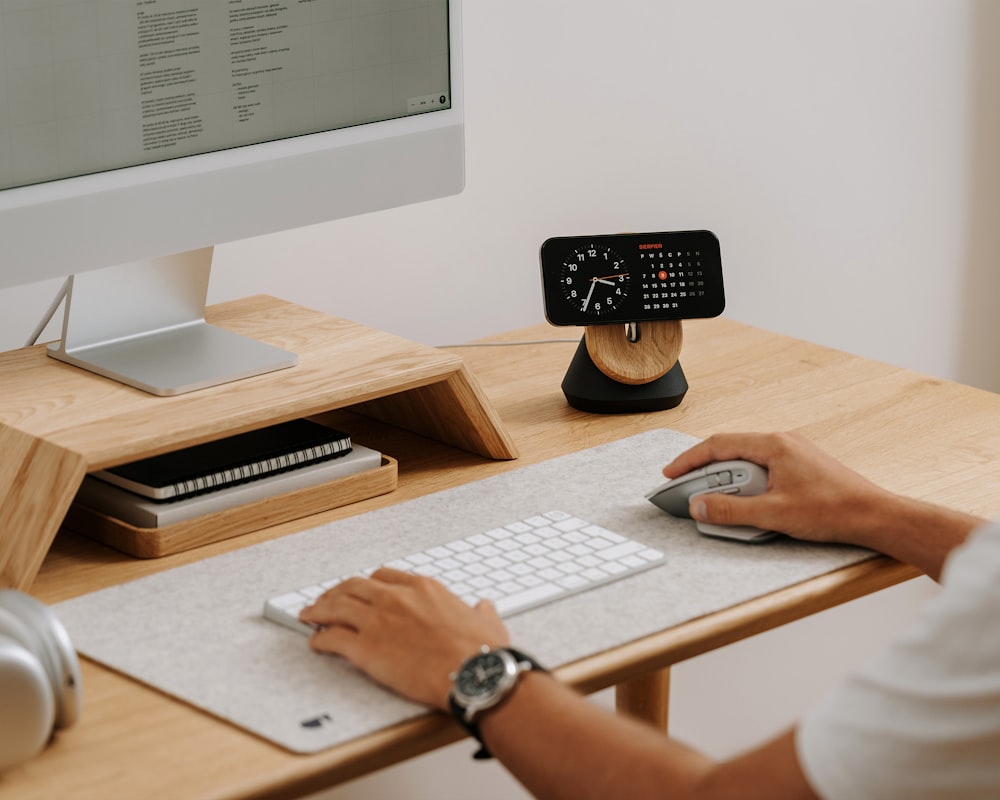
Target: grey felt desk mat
x=196, y=632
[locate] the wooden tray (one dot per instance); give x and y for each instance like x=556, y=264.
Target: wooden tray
x=157, y=542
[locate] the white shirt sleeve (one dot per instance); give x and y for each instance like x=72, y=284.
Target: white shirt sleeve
x=923, y=721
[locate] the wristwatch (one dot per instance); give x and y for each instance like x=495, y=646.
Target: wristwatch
x=483, y=682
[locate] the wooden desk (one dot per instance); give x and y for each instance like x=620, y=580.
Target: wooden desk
x=914, y=434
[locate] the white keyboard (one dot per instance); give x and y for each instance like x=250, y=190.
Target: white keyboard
x=518, y=566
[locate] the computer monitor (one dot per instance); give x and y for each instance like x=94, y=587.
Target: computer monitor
x=137, y=134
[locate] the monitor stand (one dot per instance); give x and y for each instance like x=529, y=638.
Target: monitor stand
x=143, y=324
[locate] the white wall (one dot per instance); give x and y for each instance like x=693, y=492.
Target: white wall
x=847, y=153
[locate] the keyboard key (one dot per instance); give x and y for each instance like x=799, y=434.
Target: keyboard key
x=518, y=527
x=529, y=598
x=619, y=551
x=288, y=600
x=604, y=533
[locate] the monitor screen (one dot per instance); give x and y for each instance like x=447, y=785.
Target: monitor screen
x=134, y=130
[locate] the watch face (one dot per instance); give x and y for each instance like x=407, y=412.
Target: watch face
x=632, y=277
x=594, y=280
x=481, y=676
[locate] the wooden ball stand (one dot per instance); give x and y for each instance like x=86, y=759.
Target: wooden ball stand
x=627, y=368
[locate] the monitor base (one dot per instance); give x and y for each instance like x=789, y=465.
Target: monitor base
x=143, y=324
x=178, y=361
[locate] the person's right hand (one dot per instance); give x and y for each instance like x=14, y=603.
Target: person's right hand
x=810, y=494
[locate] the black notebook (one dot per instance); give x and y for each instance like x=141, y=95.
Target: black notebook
x=226, y=462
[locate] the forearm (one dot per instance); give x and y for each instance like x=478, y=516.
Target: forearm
x=913, y=531
x=561, y=746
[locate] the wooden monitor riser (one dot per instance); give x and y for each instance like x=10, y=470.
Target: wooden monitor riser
x=58, y=422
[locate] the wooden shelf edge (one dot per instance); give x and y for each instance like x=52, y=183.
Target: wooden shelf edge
x=38, y=481
x=470, y=421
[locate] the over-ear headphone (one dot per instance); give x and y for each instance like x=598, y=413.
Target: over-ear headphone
x=40, y=685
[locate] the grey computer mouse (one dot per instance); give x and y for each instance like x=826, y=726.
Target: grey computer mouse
x=729, y=477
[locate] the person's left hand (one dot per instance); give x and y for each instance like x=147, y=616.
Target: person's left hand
x=407, y=632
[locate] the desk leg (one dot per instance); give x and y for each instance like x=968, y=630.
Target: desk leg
x=646, y=697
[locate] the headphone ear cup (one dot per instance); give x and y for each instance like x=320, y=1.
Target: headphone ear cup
x=36, y=626
x=27, y=702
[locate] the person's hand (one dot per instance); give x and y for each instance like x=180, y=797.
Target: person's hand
x=810, y=494
x=407, y=632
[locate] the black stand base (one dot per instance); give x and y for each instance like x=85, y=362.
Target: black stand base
x=588, y=389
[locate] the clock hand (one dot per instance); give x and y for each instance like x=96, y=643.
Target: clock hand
x=586, y=301
x=605, y=278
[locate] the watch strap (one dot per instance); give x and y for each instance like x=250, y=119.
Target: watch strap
x=472, y=726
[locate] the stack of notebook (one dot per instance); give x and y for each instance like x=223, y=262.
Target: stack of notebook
x=214, y=476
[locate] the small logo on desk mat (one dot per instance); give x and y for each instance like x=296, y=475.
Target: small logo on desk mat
x=315, y=723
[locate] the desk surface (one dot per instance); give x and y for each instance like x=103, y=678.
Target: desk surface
x=913, y=434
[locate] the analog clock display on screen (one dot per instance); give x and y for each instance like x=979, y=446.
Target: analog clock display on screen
x=634, y=277
x=594, y=280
